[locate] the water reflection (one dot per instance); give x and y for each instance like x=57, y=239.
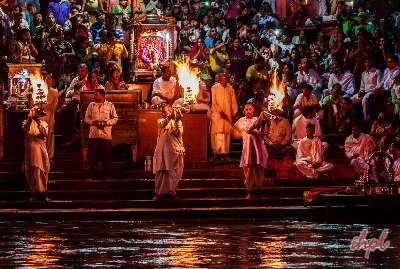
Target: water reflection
x=206, y=243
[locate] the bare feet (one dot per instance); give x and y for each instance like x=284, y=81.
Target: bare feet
x=226, y=158
x=213, y=159
x=249, y=196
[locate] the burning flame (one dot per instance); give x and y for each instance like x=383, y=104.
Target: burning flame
x=277, y=93
x=187, y=76
x=37, y=83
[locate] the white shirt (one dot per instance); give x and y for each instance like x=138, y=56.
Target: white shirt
x=302, y=101
x=101, y=112
x=370, y=80
x=278, y=132
x=299, y=127
x=388, y=78
x=311, y=78
x=363, y=146
x=309, y=150
x=346, y=80
x=166, y=88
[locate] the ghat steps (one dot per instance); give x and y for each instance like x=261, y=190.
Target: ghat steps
x=206, y=189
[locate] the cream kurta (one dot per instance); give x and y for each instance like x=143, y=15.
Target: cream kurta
x=254, y=155
x=36, y=164
x=222, y=100
x=168, y=156
x=310, y=152
x=51, y=108
x=165, y=88
x=362, y=146
x=299, y=130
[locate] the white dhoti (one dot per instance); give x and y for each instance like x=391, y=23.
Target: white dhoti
x=220, y=143
x=253, y=177
x=310, y=172
x=360, y=165
x=166, y=181
x=168, y=159
x=37, y=165
x=50, y=145
x=310, y=152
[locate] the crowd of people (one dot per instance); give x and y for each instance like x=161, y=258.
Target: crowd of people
x=342, y=87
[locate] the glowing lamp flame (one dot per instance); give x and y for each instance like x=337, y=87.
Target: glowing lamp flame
x=277, y=93
x=188, y=79
x=39, y=89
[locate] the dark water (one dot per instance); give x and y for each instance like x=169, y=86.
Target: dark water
x=196, y=244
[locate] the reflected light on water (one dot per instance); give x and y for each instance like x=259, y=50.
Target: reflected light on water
x=204, y=244
x=39, y=249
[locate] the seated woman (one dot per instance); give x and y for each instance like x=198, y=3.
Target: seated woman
x=115, y=82
x=199, y=51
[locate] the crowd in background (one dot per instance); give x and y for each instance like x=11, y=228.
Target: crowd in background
x=347, y=75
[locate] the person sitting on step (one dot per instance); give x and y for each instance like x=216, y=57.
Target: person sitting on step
x=309, y=158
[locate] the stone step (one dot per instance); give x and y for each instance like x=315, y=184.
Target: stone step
x=129, y=194
x=178, y=203
x=151, y=213
x=344, y=172
x=117, y=184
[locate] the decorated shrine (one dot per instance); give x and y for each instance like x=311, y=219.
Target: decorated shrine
x=153, y=46
x=25, y=87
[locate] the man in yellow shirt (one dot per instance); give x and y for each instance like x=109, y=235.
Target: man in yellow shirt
x=257, y=70
x=218, y=56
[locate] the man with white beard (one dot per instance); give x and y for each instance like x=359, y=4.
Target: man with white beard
x=309, y=158
x=224, y=109
x=358, y=148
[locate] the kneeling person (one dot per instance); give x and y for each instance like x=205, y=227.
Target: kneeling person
x=309, y=158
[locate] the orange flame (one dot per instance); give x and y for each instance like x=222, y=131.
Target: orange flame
x=187, y=77
x=38, y=82
x=277, y=93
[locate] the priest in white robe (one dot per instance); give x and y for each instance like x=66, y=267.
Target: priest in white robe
x=224, y=109
x=51, y=109
x=165, y=88
x=254, y=155
x=309, y=157
x=358, y=148
x=168, y=159
x=36, y=163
